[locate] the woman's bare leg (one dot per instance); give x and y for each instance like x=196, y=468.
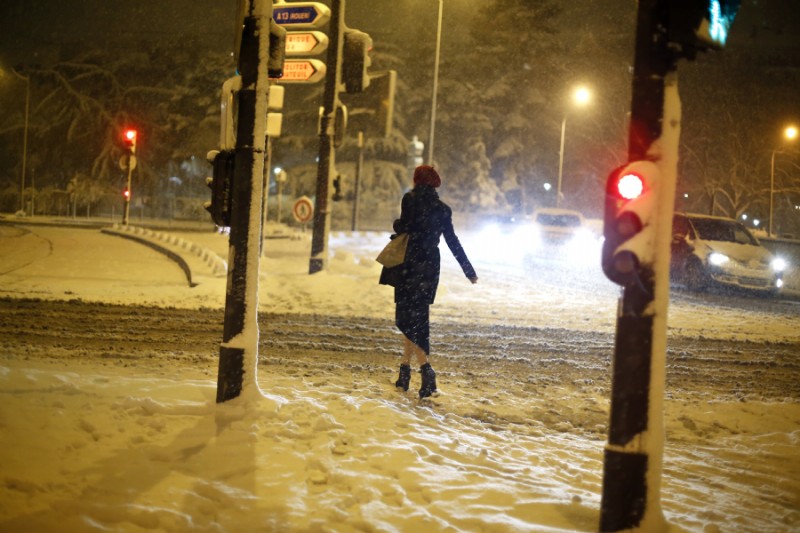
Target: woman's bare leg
x=409, y=349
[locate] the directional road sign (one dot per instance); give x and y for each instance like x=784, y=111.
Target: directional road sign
x=303, y=71
x=305, y=42
x=301, y=14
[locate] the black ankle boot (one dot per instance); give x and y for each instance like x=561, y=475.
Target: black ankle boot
x=404, y=379
x=428, y=381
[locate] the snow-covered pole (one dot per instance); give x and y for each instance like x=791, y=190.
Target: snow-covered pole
x=238, y=353
x=636, y=254
x=634, y=451
x=330, y=114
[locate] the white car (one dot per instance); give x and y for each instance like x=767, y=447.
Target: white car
x=709, y=251
x=564, y=235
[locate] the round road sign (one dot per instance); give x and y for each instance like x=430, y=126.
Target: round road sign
x=303, y=209
x=123, y=162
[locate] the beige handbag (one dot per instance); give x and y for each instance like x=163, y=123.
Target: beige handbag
x=395, y=252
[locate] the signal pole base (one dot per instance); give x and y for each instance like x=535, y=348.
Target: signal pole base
x=315, y=265
x=230, y=375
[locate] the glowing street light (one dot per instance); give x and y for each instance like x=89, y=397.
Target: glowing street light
x=580, y=97
x=790, y=134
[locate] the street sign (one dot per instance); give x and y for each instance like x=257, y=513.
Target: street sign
x=305, y=42
x=303, y=71
x=123, y=162
x=301, y=14
x=303, y=209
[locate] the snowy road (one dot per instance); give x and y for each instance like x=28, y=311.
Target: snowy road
x=533, y=365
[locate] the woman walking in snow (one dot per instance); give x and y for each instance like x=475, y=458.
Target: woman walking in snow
x=425, y=218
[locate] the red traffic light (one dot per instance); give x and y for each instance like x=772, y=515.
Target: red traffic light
x=130, y=135
x=126, y=193
x=630, y=186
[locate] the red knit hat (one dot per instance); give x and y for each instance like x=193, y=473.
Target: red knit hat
x=426, y=175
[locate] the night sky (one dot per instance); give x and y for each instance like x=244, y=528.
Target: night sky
x=26, y=25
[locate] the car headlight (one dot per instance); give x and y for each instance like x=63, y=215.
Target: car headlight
x=778, y=264
x=718, y=259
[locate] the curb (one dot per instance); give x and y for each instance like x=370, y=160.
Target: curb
x=175, y=248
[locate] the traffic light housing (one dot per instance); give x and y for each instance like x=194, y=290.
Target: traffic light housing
x=221, y=186
x=129, y=140
x=337, y=188
x=277, y=49
x=629, y=223
x=355, y=60
x=372, y=111
x=126, y=193
x=700, y=25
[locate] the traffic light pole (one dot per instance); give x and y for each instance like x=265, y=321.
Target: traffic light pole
x=326, y=167
x=238, y=353
x=357, y=181
x=634, y=452
x=128, y=196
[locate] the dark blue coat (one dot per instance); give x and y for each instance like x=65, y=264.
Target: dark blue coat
x=425, y=218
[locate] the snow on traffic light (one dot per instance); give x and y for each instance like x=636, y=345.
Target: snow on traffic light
x=628, y=223
x=221, y=186
x=277, y=50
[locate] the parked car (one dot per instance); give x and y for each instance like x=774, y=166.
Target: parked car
x=716, y=251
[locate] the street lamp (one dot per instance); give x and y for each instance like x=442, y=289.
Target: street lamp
x=790, y=134
x=580, y=97
x=435, y=81
x=27, y=80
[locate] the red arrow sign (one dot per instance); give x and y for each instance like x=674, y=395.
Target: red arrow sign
x=303, y=71
x=305, y=42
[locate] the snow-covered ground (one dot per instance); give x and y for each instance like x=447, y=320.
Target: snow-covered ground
x=101, y=445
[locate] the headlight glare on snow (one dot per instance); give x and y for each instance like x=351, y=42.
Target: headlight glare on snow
x=718, y=259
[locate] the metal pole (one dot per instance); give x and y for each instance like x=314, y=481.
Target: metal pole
x=771, y=188
x=633, y=456
x=561, y=160
x=357, y=184
x=326, y=167
x=27, y=80
x=128, y=196
x=238, y=353
x=265, y=192
x=435, y=82
x=280, y=200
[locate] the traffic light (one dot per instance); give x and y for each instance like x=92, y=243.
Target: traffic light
x=699, y=25
x=337, y=188
x=129, y=140
x=629, y=222
x=277, y=49
x=372, y=111
x=126, y=193
x=356, y=60
x=220, y=184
